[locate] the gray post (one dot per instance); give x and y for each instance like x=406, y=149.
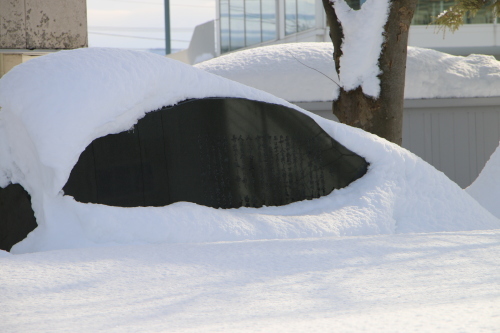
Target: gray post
x=167, y=28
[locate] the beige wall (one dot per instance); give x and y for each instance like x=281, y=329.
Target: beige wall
x=9, y=60
x=43, y=24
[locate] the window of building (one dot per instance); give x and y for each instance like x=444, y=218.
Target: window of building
x=224, y=26
x=299, y=15
x=246, y=22
x=237, y=23
x=268, y=20
x=253, y=30
x=428, y=10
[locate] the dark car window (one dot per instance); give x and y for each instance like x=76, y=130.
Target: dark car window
x=217, y=152
x=17, y=218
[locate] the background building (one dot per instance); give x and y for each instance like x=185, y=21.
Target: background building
x=243, y=24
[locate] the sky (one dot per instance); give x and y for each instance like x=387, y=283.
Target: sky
x=139, y=24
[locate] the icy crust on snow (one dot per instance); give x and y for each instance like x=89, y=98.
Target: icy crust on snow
x=283, y=70
x=486, y=188
x=363, y=31
x=54, y=106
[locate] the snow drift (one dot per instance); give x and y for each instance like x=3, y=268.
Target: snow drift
x=486, y=188
x=56, y=105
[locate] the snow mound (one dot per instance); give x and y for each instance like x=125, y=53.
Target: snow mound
x=486, y=188
x=74, y=97
x=295, y=72
x=55, y=105
x=433, y=74
x=298, y=72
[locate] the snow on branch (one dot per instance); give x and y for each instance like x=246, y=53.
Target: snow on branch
x=362, y=44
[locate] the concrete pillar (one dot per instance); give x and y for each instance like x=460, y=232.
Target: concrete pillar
x=47, y=24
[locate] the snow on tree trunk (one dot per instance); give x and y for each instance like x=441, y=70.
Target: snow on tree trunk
x=363, y=38
x=370, y=46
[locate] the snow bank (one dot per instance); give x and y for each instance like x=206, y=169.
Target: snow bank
x=296, y=72
x=486, y=188
x=433, y=74
x=55, y=105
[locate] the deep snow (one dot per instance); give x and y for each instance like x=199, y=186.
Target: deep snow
x=283, y=70
x=54, y=106
x=219, y=279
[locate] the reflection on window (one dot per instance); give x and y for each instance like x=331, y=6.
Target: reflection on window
x=299, y=15
x=428, y=10
x=246, y=22
x=252, y=22
x=224, y=26
x=268, y=20
x=290, y=17
x=237, y=24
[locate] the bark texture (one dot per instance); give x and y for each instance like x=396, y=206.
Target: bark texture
x=382, y=116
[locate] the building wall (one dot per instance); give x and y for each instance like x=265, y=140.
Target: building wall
x=457, y=136
x=11, y=59
x=47, y=24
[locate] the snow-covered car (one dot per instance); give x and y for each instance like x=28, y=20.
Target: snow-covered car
x=116, y=146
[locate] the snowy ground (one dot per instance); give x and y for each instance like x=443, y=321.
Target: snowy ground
x=437, y=282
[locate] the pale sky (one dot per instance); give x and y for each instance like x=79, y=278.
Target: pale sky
x=142, y=21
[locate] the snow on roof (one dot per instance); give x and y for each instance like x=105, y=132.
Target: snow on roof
x=55, y=105
x=304, y=72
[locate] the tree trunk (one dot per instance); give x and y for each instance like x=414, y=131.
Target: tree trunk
x=382, y=116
